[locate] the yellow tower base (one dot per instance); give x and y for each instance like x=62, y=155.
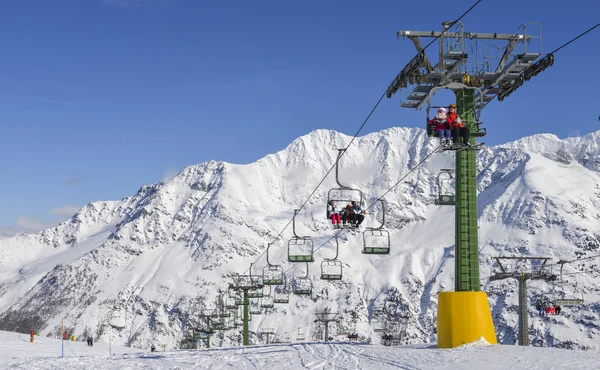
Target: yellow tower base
x=464, y=317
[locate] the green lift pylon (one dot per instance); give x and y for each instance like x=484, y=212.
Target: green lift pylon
x=245, y=284
x=464, y=316
x=466, y=229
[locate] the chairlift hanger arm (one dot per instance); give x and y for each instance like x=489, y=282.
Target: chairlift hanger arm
x=337, y=249
x=382, y=226
x=294, y=225
x=268, y=246
x=337, y=170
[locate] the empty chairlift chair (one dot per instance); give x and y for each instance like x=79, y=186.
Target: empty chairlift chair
x=572, y=295
x=231, y=300
x=272, y=274
x=300, y=336
x=446, y=196
x=575, y=299
x=300, y=248
x=331, y=268
x=302, y=285
x=343, y=194
x=281, y=294
x=257, y=284
x=376, y=240
x=254, y=308
x=267, y=300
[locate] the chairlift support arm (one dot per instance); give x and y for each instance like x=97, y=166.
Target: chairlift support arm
x=337, y=170
x=468, y=35
x=294, y=224
x=337, y=249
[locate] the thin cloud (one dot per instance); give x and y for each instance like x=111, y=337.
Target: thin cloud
x=68, y=210
x=169, y=174
x=574, y=132
x=31, y=224
x=7, y=232
x=73, y=181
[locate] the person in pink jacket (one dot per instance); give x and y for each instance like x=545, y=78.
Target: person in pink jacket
x=334, y=215
x=441, y=126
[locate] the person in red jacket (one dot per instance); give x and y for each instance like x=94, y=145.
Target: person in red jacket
x=442, y=126
x=459, y=129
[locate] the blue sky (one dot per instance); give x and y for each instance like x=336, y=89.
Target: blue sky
x=98, y=97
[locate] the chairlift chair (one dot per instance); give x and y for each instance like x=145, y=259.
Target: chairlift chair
x=300, y=336
x=575, y=299
x=257, y=285
x=299, y=246
x=272, y=274
x=343, y=194
x=331, y=268
x=255, y=294
x=231, y=300
x=479, y=131
x=568, y=301
x=302, y=285
x=281, y=294
x=267, y=301
x=254, y=308
x=230, y=303
x=218, y=325
x=377, y=234
x=445, y=196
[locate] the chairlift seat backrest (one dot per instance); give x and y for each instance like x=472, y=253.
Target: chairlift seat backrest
x=331, y=270
x=301, y=250
x=371, y=234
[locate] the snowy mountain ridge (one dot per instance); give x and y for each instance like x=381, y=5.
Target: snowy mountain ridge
x=139, y=269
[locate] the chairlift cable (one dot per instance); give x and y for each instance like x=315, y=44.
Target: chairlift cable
x=396, y=184
x=354, y=137
x=324, y=177
x=575, y=38
x=565, y=262
x=456, y=21
x=404, y=177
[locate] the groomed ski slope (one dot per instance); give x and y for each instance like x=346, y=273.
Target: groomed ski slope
x=44, y=353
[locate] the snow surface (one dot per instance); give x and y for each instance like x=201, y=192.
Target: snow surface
x=45, y=353
x=140, y=270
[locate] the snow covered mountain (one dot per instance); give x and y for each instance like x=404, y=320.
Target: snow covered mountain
x=140, y=269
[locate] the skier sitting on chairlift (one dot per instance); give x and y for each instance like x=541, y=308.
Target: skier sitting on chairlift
x=358, y=216
x=334, y=215
x=458, y=127
x=346, y=215
x=442, y=126
x=539, y=306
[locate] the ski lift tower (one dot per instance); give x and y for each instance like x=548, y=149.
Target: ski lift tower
x=476, y=72
x=246, y=283
x=326, y=317
x=537, y=273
